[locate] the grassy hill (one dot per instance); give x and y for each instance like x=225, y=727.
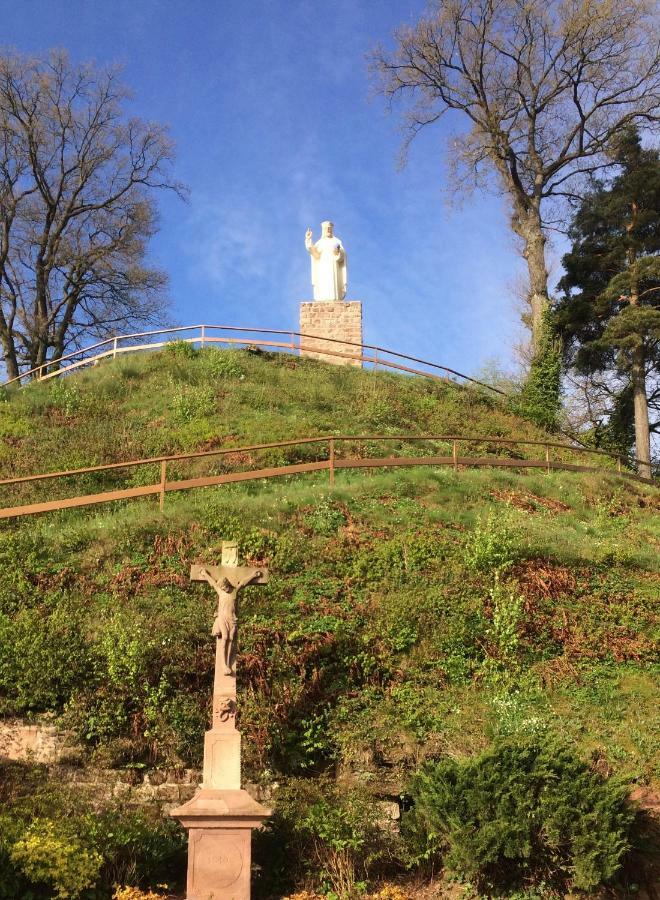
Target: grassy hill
x=411, y=614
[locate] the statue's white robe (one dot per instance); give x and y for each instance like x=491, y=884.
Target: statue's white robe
x=329, y=275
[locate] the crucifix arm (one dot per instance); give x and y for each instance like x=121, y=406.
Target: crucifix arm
x=248, y=578
x=208, y=577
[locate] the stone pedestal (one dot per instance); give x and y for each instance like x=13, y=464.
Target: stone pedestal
x=337, y=319
x=221, y=816
x=219, y=825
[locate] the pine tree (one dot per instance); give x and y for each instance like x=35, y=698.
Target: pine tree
x=610, y=312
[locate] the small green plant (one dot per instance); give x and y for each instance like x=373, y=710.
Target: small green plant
x=503, y=633
x=493, y=546
x=343, y=833
x=65, y=395
x=222, y=364
x=525, y=811
x=181, y=350
x=53, y=853
x=512, y=716
x=325, y=517
x=189, y=403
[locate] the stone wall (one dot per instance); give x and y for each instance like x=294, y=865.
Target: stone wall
x=157, y=790
x=160, y=790
x=336, y=319
x=44, y=744
x=38, y=743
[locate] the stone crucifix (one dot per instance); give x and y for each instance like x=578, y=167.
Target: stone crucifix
x=227, y=580
x=220, y=817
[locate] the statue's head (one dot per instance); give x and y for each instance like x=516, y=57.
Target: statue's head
x=326, y=229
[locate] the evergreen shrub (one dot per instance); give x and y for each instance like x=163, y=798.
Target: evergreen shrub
x=525, y=811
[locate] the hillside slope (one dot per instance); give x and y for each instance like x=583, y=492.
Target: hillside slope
x=184, y=400
x=410, y=614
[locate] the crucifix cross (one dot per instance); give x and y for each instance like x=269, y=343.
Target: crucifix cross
x=227, y=580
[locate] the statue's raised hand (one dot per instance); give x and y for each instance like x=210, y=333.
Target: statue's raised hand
x=308, y=235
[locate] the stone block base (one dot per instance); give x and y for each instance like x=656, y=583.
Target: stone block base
x=219, y=862
x=219, y=826
x=337, y=319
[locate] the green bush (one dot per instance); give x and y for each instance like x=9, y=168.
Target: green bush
x=181, y=349
x=221, y=363
x=137, y=849
x=54, y=844
x=43, y=656
x=51, y=852
x=525, y=811
x=540, y=397
x=493, y=546
x=345, y=840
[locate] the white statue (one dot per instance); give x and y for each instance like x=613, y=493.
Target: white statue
x=328, y=264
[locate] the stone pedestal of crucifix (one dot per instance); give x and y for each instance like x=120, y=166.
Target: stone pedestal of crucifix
x=220, y=817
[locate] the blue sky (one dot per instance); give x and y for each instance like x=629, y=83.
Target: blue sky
x=269, y=103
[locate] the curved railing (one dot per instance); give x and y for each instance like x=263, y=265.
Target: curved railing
x=331, y=462
x=243, y=337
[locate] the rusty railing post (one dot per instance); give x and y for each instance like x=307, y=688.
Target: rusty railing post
x=332, y=461
x=454, y=454
x=547, y=459
x=163, y=482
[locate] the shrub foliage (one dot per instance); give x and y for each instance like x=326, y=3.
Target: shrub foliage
x=525, y=810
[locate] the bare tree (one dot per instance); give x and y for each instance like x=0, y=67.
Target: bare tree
x=77, y=208
x=542, y=86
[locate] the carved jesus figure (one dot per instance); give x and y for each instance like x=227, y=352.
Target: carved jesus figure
x=225, y=624
x=329, y=270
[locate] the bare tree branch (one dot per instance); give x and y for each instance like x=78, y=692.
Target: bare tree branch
x=542, y=85
x=77, y=209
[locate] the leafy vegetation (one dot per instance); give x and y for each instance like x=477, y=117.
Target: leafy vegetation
x=54, y=843
x=525, y=811
x=411, y=616
x=539, y=398
x=610, y=312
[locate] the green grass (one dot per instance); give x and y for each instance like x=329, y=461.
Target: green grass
x=167, y=402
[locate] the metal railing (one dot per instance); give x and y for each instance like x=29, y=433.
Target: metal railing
x=331, y=462
x=247, y=337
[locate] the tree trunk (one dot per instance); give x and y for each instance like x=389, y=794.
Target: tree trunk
x=9, y=355
x=642, y=430
x=638, y=370
x=526, y=223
